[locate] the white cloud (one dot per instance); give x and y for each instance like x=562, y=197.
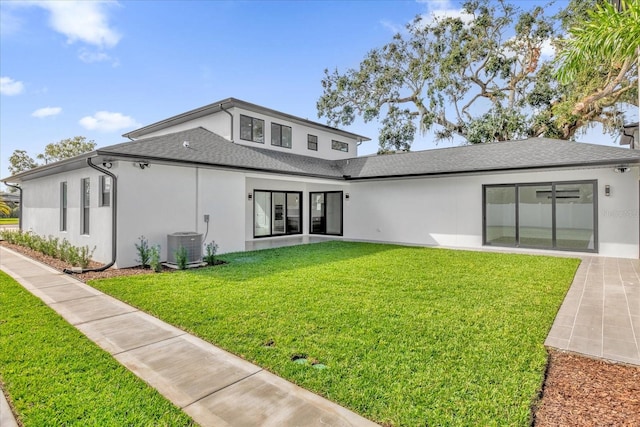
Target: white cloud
x=10, y=87
x=107, y=121
x=84, y=21
x=442, y=9
x=394, y=28
x=46, y=112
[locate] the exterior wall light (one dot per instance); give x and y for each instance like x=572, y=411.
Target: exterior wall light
x=607, y=190
x=346, y=196
x=249, y=196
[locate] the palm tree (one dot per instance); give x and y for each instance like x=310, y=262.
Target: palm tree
x=607, y=45
x=5, y=210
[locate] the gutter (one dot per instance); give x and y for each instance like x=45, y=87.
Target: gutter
x=114, y=221
x=17, y=187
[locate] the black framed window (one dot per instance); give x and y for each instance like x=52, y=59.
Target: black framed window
x=548, y=215
x=63, y=206
x=276, y=213
x=340, y=146
x=280, y=135
x=325, y=213
x=251, y=129
x=105, y=190
x=85, y=203
x=312, y=142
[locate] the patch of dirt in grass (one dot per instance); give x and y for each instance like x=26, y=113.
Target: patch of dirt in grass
x=580, y=391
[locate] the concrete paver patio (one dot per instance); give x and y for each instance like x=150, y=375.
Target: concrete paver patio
x=600, y=316
x=214, y=387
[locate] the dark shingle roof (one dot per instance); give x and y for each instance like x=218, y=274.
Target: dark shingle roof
x=534, y=153
x=208, y=148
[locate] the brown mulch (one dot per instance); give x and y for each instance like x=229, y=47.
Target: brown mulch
x=84, y=277
x=578, y=391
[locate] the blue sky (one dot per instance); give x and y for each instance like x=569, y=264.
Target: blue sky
x=100, y=69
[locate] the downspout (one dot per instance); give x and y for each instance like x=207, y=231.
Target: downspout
x=17, y=187
x=230, y=115
x=114, y=221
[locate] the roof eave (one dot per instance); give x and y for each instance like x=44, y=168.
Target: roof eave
x=233, y=102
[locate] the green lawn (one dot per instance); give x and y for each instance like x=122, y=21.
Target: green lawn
x=55, y=376
x=9, y=221
x=409, y=336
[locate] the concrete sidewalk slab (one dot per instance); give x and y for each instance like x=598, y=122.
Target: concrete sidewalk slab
x=256, y=401
x=128, y=331
x=91, y=308
x=185, y=368
x=213, y=386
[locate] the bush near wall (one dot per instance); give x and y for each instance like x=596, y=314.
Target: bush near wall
x=51, y=246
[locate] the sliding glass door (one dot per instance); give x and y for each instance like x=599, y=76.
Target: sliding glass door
x=546, y=215
x=326, y=213
x=276, y=213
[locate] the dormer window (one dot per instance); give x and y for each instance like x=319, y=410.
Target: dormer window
x=280, y=135
x=251, y=129
x=340, y=146
x=312, y=142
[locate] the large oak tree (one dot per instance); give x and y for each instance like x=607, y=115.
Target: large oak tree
x=480, y=75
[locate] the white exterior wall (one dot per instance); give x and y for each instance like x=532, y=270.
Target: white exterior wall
x=273, y=183
x=164, y=199
x=219, y=123
x=447, y=211
x=41, y=211
x=299, y=137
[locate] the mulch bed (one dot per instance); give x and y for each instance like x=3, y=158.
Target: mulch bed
x=578, y=391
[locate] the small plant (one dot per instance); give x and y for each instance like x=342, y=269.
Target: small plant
x=144, y=251
x=210, y=250
x=154, y=260
x=182, y=257
x=84, y=256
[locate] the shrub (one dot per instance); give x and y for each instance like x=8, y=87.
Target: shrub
x=182, y=257
x=144, y=251
x=210, y=252
x=154, y=260
x=84, y=256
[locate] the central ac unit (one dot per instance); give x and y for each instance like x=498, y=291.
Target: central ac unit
x=189, y=240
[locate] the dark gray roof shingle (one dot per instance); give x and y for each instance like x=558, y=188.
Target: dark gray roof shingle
x=532, y=153
x=208, y=148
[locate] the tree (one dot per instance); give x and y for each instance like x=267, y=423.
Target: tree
x=20, y=161
x=66, y=149
x=599, y=64
x=442, y=72
x=5, y=210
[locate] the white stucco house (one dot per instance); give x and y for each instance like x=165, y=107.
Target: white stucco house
x=240, y=173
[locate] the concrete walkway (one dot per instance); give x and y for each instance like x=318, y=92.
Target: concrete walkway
x=214, y=387
x=600, y=316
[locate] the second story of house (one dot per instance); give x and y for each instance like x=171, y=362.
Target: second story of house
x=249, y=124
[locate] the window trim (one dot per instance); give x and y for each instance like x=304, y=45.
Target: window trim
x=324, y=212
x=253, y=129
x=104, y=201
x=281, y=127
x=85, y=206
x=286, y=193
x=64, y=199
x=344, y=145
x=310, y=142
x=552, y=184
